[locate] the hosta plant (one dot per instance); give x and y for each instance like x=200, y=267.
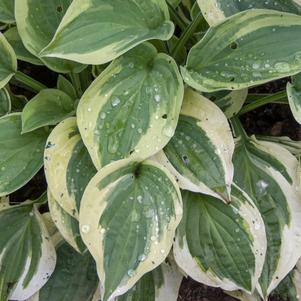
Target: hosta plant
x=150, y=173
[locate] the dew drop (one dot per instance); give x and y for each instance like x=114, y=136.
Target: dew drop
x=85, y=228
x=157, y=98
x=139, y=199
x=103, y=115
x=282, y=67
x=168, y=131
x=142, y=257
x=115, y=102
x=131, y=273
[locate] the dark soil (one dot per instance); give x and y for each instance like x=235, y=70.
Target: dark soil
x=273, y=119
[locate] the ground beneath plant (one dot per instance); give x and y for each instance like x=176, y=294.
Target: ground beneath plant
x=274, y=120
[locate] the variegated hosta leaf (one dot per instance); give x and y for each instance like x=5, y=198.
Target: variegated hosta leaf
x=200, y=152
x=49, y=107
x=124, y=24
x=37, y=21
x=221, y=245
x=240, y=52
x=68, y=166
x=27, y=255
x=216, y=11
x=230, y=102
x=161, y=284
x=8, y=61
x=7, y=11
x=66, y=224
x=243, y=296
x=292, y=146
x=66, y=86
x=22, y=53
x=290, y=287
x=268, y=172
x=21, y=156
x=132, y=108
x=128, y=217
x=5, y=102
x=74, y=277
x=294, y=96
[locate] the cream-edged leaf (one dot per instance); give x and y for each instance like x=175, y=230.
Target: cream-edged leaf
x=200, y=152
x=5, y=102
x=68, y=166
x=67, y=224
x=221, y=245
x=132, y=108
x=240, y=52
x=37, y=21
x=22, y=53
x=294, y=96
x=268, y=172
x=230, y=102
x=8, y=61
x=124, y=24
x=216, y=11
x=48, y=107
x=128, y=217
x=27, y=254
x=21, y=156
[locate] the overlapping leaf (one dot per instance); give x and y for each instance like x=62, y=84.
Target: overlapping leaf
x=217, y=10
x=74, y=277
x=161, y=284
x=268, y=172
x=37, y=21
x=66, y=224
x=5, y=102
x=294, y=96
x=68, y=166
x=8, y=61
x=49, y=107
x=22, y=53
x=240, y=52
x=7, y=11
x=202, y=142
x=128, y=217
x=132, y=108
x=230, y=102
x=221, y=245
x=124, y=24
x=27, y=254
x=21, y=156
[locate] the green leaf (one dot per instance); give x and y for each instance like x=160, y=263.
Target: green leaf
x=5, y=102
x=21, y=156
x=68, y=166
x=128, y=217
x=199, y=154
x=8, y=61
x=7, y=11
x=240, y=52
x=161, y=284
x=27, y=254
x=215, y=11
x=294, y=96
x=49, y=107
x=174, y=3
x=230, y=102
x=74, y=277
x=64, y=85
x=268, y=173
x=132, y=108
x=124, y=24
x=37, y=21
x=66, y=224
x=22, y=53
x=221, y=245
